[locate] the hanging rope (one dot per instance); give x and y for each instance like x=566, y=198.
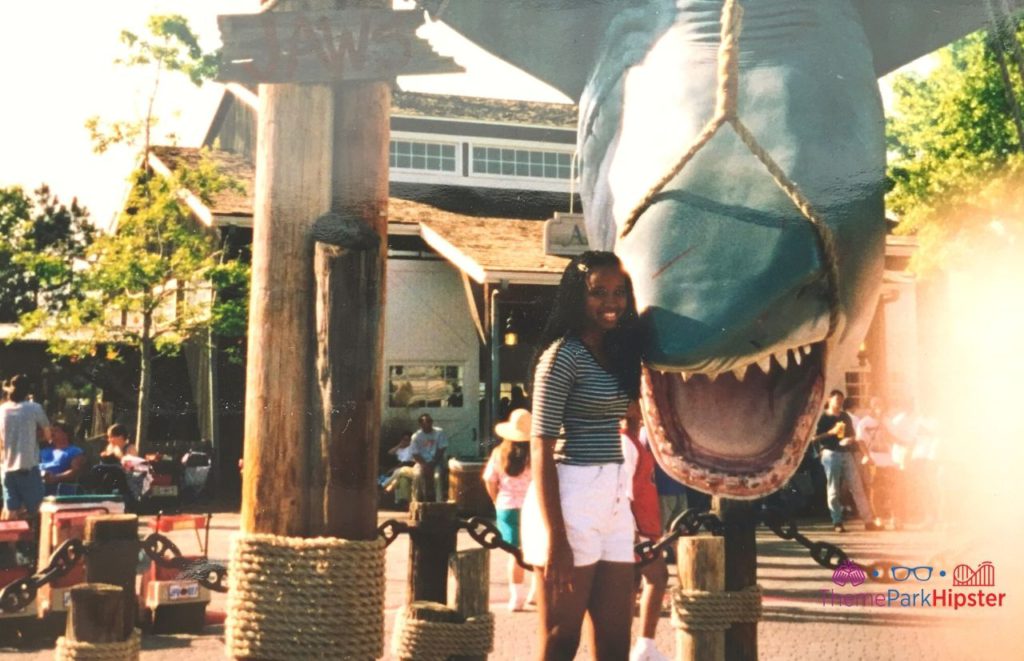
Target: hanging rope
x=71, y=650
x=726, y=103
x=293, y=597
x=697, y=610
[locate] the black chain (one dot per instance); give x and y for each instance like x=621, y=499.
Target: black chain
x=391, y=529
x=19, y=594
x=825, y=554
x=487, y=535
x=686, y=524
x=165, y=553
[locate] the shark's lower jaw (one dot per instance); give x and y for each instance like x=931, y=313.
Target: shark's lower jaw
x=731, y=436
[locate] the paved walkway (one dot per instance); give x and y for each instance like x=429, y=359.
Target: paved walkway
x=796, y=625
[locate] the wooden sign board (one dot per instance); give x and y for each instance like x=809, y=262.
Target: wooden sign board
x=326, y=47
x=565, y=235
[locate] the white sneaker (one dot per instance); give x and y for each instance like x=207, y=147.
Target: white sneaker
x=516, y=599
x=645, y=650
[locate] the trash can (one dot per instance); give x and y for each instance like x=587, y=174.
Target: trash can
x=466, y=487
x=62, y=518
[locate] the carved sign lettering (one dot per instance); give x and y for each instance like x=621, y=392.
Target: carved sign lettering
x=326, y=46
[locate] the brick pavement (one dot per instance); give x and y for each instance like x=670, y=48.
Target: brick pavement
x=796, y=624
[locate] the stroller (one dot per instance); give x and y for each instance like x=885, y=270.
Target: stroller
x=196, y=473
x=150, y=485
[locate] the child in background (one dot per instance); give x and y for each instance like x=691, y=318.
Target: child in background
x=639, y=462
x=506, y=477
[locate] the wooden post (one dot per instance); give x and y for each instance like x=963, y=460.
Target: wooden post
x=112, y=544
x=740, y=520
x=96, y=614
x=350, y=270
x=433, y=540
x=471, y=570
x=701, y=566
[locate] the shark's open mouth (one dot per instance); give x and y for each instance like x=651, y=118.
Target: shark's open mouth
x=741, y=433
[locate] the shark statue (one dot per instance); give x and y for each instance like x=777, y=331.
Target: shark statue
x=730, y=276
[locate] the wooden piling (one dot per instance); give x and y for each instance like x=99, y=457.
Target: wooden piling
x=700, y=565
x=96, y=614
x=112, y=544
x=740, y=522
x=433, y=540
x=471, y=570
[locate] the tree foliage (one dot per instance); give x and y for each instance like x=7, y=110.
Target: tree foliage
x=169, y=46
x=955, y=144
x=42, y=243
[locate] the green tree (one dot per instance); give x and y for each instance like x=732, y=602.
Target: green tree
x=955, y=143
x=169, y=46
x=41, y=242
x=153, y=282
x=149, y=284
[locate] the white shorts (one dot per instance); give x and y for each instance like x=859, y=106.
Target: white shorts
x=595, y=508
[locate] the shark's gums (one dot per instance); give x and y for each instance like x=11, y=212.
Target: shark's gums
x=731, y=279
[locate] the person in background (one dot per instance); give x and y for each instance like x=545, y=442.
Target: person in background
x=21, y=423
x=119, y=448
x=835, y=437
x=429, y=445
x=577, y=525
x=873, y=434
x=62, y=463
x=402, y=478
x=506, y=478
x=638, y=460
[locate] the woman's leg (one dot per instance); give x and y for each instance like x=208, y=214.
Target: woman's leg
x=611, y=609
x=561, y=615
x=655, y=582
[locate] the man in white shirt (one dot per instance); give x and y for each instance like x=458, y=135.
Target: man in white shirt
x=21, y=423
x=428, y=448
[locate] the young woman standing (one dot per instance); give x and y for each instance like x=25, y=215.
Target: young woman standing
x=577, y=522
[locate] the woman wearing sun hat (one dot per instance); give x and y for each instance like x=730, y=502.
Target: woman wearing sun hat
x=507, y=477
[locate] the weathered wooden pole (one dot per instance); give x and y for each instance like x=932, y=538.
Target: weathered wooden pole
x=472, y=572
x=112, y=553
x=96, y=614
x=740, y=522
x=433, y=539
x=700, y=562
x=292, y=189
x=350, y=265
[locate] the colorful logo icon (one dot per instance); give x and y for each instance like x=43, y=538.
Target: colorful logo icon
x=983, y=576
x=902, y=573
x=848, y=572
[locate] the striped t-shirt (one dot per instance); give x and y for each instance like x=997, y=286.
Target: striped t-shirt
x=580, y=403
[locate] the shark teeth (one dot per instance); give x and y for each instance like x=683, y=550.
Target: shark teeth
x=765, y=363
x=785, y=358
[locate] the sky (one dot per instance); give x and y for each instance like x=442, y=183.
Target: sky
x=58, y=70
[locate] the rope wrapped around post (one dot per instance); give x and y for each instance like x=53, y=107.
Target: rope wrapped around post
x=700, y=610
x=125, y=650
x=294, y=597
x=431, y=640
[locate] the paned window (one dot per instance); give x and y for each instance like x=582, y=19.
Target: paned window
x=425, y=386
x=418, y=155
x=522, y=163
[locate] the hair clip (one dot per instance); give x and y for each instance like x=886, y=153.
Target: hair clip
x=582, y=267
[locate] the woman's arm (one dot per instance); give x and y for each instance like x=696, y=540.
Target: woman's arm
x=559, y=568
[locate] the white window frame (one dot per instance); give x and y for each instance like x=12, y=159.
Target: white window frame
x=427, y=139
x=461, y=364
